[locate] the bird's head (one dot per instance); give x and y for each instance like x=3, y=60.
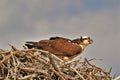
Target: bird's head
x=83, y=40
x=86, y=40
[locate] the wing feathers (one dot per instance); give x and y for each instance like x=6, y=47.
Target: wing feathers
x=31, y=44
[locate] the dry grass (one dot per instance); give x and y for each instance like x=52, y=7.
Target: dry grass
x=34, y=64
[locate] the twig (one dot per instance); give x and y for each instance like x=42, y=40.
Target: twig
x=13, y=48
x=57, y=73
x=27, y=77
x=14, y=53
x=56, y=68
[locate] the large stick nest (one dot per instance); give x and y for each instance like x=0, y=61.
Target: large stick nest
x=34, y=64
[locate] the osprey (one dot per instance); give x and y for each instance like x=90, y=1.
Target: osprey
x=62, y=47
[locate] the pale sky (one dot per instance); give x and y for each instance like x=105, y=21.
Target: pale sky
x=33, y=20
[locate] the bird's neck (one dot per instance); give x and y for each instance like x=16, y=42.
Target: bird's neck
x=83, y=46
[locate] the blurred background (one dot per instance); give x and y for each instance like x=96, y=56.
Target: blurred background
x=33, y=20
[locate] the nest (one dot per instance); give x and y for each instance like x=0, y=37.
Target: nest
x=35, y=64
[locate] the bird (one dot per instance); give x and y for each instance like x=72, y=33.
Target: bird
x=64, y=48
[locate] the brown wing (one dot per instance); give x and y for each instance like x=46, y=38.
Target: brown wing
x=66, y=48
x=44, y=43
x=59, y=46
x=39, y=45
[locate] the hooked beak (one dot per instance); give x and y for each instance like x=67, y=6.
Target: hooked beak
x=91, y=41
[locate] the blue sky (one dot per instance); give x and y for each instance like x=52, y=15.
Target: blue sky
x=33, y=20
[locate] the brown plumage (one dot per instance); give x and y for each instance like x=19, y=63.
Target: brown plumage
x=61, y=46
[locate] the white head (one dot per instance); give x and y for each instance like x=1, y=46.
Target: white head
x=86, y=40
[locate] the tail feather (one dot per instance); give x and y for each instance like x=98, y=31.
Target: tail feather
x=31, y=44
